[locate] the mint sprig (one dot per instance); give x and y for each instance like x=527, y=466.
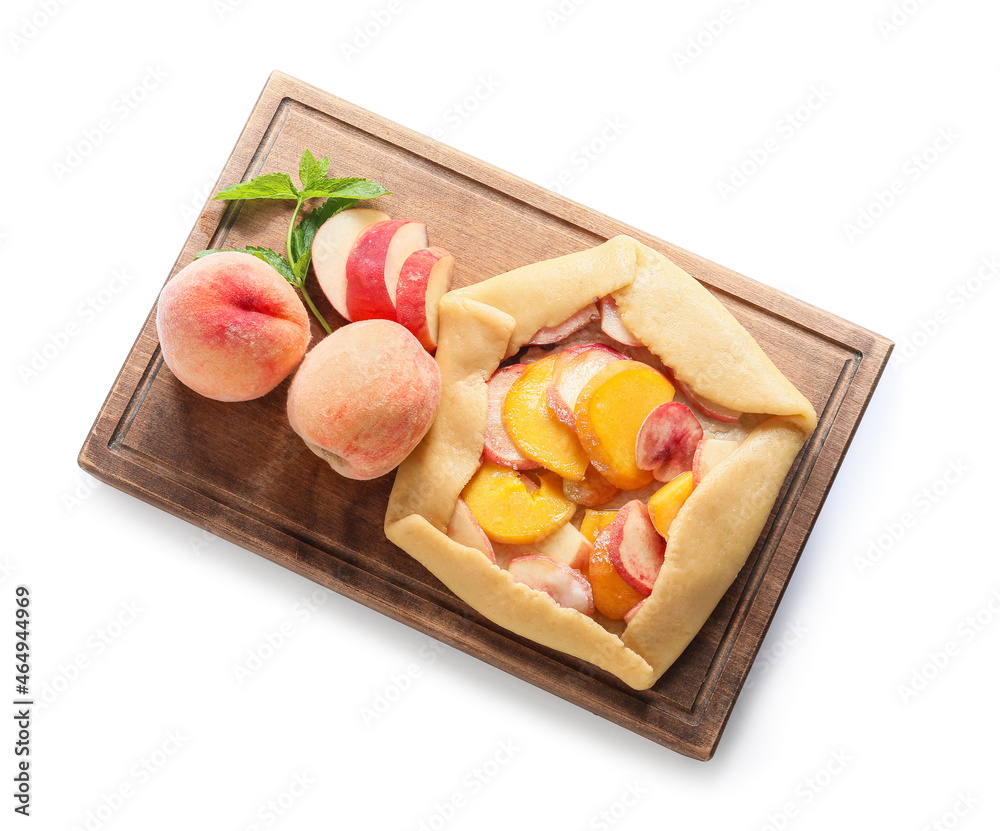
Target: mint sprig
x=338, y=195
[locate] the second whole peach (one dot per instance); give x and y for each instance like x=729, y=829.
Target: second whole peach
x=364, y=397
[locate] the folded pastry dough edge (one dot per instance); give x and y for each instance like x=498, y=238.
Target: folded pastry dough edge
x=681, y=322
x=531, y=614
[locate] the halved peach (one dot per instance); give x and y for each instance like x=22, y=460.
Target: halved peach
x=609, y=413
x=534, y=428
x=511, y=508
x=667, y=501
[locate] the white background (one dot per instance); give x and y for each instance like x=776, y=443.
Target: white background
x=873, y=702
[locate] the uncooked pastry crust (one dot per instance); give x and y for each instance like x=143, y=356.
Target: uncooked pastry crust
x=715, y=531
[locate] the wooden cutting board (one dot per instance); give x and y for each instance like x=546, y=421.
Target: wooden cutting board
x=238, y=471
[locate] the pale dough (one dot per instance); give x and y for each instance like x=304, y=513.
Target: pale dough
x=683, y=324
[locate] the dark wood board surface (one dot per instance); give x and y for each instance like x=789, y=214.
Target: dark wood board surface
x=238, y=471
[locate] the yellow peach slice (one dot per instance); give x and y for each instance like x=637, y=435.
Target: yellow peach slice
x=609, y=412
x=534, y=427
x=613, y=597
x=667, y=501
x=510, y=508
x=594, y=522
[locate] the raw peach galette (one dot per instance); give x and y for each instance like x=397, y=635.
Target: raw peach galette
x=609, y=444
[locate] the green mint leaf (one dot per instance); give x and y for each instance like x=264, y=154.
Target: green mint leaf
x=300, y=267
x=272, y=258
x=345, y=188
x=265, y=186
x=311, y=170
x=338, y=195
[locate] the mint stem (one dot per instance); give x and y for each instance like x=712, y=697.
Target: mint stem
x=291, y=227
x=339, y=194
x=313, y=309
x=301, y=283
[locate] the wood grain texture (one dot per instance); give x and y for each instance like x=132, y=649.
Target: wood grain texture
x=235, y=469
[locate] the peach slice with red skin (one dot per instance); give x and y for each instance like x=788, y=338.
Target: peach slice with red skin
x=707, y=408
x=374, y=264
x=573, y=368
x=566, y=544
x=565, y=585
x=592, y=491
x=612, y=325
x=667, y=441
x=464, y=529
x=665, y=504
x=423, y=280
x=510, y=511
x=534, y=428
x=635, y=547
x=498, y=446
x=331, y=247
x=574, y=323
x=609, y=414
x=631, y=613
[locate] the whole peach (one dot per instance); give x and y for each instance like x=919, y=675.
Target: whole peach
x=231, y=327
x=364, y=397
